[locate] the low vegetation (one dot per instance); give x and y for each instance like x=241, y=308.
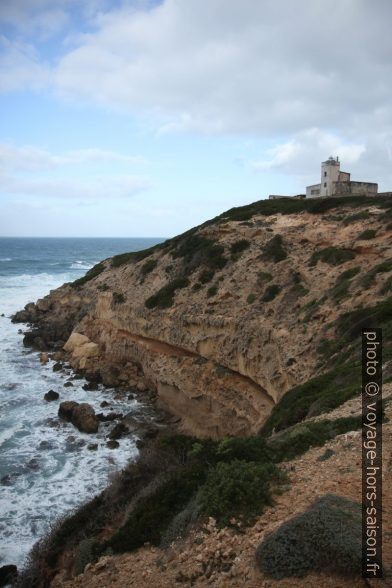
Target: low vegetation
x=148, y=267
x=313, y=541
x=274, y=250
x=342, y=285
x=332, y=256
x=118, y=298
x=367, y=235
x=239, y=247
x=164, y=298
x=271, y=292
x=90, y=275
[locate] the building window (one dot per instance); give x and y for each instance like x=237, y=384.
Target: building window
x=325, y=174
x=325, y=184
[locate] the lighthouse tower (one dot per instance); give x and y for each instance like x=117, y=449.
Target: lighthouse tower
x=329, y=174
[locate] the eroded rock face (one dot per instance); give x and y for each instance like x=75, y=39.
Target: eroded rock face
x=82, y=415
x=218, y=359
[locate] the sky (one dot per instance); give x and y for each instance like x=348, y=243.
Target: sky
x=137, y=118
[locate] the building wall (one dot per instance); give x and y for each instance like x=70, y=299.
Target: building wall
x=357, y=188
x=313, y=191
x=344, y=177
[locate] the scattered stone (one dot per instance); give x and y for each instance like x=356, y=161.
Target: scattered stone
x=44, y=358
x=90, y=386
x=57, y=366
x=33, y=464
x=104, y=404
x=107, y=418
x=68, y=384
x=8, y=575
x=118, y=431
x=82, y=416
x=51, y=396
x=45, y=445
x=74, y=444
x=112, y=444
x=92, y=446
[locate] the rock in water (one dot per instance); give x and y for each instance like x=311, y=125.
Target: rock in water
x=8, y=574
x=43, y=357
x=51, y=395
x=82, y=416
x=118, y=431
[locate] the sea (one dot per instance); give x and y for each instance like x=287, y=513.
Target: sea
x=46, y=469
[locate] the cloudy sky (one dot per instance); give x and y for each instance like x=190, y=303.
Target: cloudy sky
x=144, y=118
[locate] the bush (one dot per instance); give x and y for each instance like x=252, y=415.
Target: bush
x=164, y=298
x=263, y=277
x=118, y=298
x=381, y=268
x=271, y=292
x=315, y=396
x=181, y=524
x=274, y=250
x=152, y=513
x=86, y=552
x=350, y=324
x=251, y=298
x=148, y=266
x=387, y=287
x=314, y=542
x=359, y=216
x=237, y=489
x=348, y=274
x=103, y=287
x=238, y=247
x=332, y=256
x=134, y=256
x=90, y=275
x=300, y=438
x=367, y=234
x=212, y=291
x=206, y=276
x=197, y=251
x=342, y=286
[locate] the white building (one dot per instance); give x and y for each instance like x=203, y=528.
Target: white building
x=338, y=183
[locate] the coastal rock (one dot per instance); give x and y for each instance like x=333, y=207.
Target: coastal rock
x=82, y=416
x=118, y=431
x=44, y=358
x=112, y=444
x=75, y=340
x=66, y=409
x=51, y=396
x=8, y=575
x=68, y=384
x=57, y=367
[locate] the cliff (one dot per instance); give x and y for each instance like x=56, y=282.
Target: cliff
x=247, y=330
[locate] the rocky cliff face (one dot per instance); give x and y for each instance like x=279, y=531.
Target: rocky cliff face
x=221, y=321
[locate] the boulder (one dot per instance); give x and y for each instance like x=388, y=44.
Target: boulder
x=75, y=340
x=66, y=409
x=84, y=418
x=68, y=384
x=51, y=396
x=109, y=375
x=112, y=444
x=44, y=358
x=57, y=367
x=86, y=351
x=8, y=575
x=118, y=431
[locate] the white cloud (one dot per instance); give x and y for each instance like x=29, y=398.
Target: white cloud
x=33, y=158
x=20, y=67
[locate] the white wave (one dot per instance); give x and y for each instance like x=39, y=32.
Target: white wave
x=81, y=265
x=5, y=259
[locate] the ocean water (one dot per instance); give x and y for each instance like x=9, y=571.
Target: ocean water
x=46, y=469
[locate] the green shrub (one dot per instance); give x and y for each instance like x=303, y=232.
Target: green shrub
x=251, y=298
x=300, y=438
x=274, y=250
x=325, y=538
x=237, y=489
x=132, y=256
x=148, y=266
x=212, y=291
x=103, y=287
x=342, y=286
x=367, y=234
x=206, y=276
x=387, y=287
x=359, y=216
x=332, y=256
x=152, y=513
x=118, y=298
x=315, y=396
x=348, y=274
x=197, y=251
x=238, y=247
x=350, y=324
x=311, y=308
x=86, y=552
x=164, y=298
x=196, y=287
x=271, y=292
x=264, y=277
x=90, y=275
x=369, y=278
x=298, y=290
x=181, y=524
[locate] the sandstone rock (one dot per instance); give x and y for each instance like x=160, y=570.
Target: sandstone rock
x=82, y=416
x=44, y=358
x=85, y=351
x=51, y=395
x=112, y=444
x=75, y=340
